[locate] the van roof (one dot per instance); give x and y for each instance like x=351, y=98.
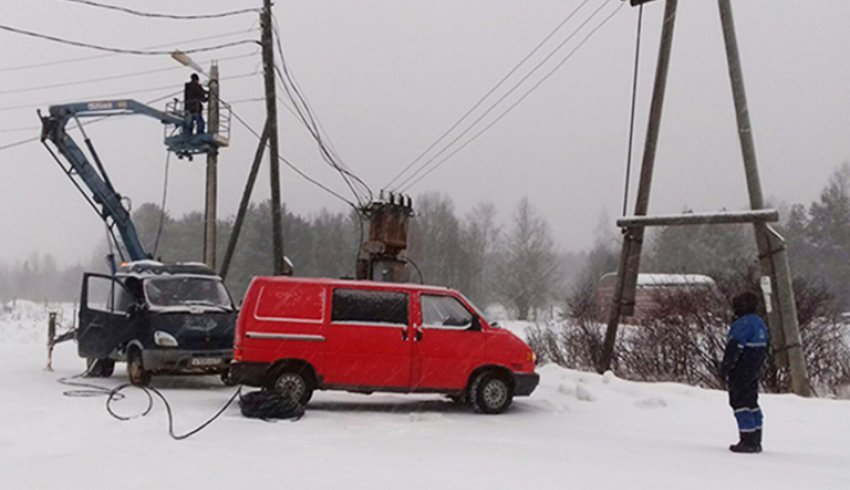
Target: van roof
x=352, y=283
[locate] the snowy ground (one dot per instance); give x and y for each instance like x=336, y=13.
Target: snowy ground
x=578, y=430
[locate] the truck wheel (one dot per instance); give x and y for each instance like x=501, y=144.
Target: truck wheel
x=491, y=393
x=294, y=382
x=99, y=368
x=135, y=370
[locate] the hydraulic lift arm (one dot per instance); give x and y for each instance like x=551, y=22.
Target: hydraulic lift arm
x=101, y=194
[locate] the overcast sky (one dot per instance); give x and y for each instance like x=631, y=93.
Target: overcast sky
x=387, y=77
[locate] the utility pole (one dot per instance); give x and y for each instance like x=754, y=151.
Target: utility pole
x=211, y=204
x=623, y=301
x=786, y=344
x=773, y=256
x=271, y=115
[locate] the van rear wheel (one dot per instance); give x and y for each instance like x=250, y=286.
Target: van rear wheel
x=491, y=393
x=293, y=381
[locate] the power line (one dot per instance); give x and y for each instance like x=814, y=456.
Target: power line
x=116, y=94
x=493, y=106
x=310, y=121
x=490, y=92
x=116, y=77
x=164, y=16
x=405, y=183
x=292, y=166
x=119, y=50
x=99, y=56
x=527, y=93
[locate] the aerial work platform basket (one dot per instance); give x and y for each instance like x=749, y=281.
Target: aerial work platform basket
x=180, y=140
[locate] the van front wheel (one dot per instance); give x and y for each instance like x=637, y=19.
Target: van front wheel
x=294, y=382
x=491, y=393
x=136, y=370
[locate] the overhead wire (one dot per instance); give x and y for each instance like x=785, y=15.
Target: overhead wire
x=107, y=55
x=165, y=16
x=139, y=52
x=292, y=166
x=490, y=92
x=313, y=125
x=117, y=77
x=116, y=94
x=311, y=122
x=323, y=151
x=633, y=111
x=515, y=104
x=421, y=168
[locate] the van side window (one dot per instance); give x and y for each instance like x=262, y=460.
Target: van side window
x=444, y=312
x=357, y=305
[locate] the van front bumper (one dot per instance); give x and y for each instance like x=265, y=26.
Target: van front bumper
x=180, y=361
x=249, y=373
x=524, y=383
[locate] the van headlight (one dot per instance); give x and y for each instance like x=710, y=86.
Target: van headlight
x=164, y=339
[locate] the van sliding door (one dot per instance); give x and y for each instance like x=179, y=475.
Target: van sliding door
x=367, y=344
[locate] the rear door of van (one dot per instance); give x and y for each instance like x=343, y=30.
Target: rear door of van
x=368, y=339
x=449, y=343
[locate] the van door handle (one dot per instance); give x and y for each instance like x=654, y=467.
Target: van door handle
x=418, y=336
x=404, y=335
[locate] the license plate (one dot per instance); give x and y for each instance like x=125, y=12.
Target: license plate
x=205, y=361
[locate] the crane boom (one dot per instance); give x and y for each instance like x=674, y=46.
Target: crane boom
x=101, y=194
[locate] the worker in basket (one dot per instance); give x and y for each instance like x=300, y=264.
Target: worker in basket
x=194, y=96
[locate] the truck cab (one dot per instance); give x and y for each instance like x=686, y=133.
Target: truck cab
x=158, y=318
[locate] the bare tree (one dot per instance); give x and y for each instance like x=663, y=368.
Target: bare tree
x=528, y=270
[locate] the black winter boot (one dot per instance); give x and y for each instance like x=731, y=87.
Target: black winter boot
x=757, y=439
x=747, y=444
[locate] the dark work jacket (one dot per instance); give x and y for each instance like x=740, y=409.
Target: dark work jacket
x=746, y=350
x=194, y=96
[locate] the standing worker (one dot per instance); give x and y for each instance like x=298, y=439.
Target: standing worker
x=194, y=97
x=742, y=368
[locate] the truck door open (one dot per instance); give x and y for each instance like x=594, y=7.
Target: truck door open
x=106, y=316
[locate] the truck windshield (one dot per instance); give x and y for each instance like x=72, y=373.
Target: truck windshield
x=187, y=291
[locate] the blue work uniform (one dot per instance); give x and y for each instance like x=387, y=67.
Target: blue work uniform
x=743, y=366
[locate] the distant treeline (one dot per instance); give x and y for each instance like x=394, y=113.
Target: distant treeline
x=512, y=261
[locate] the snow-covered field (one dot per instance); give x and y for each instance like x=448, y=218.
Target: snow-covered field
x=578, y=430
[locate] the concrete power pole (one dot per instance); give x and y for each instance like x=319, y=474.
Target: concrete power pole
x=274, y=159
x=211, y=205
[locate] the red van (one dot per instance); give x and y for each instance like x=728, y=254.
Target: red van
x=301, y=334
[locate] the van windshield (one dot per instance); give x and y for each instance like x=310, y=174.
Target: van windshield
x=187, y=292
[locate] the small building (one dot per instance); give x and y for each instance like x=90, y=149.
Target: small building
x=650, y=287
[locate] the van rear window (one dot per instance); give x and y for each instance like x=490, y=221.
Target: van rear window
x=357, y=305
x=304, y=302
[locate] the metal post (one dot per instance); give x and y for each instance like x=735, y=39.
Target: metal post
x=782, y=317
x=627, y=271
x=271, y=111
x=51, y=338
x=211, y=206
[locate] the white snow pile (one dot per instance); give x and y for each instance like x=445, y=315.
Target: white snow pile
x=25, y=321
x=578, y=430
